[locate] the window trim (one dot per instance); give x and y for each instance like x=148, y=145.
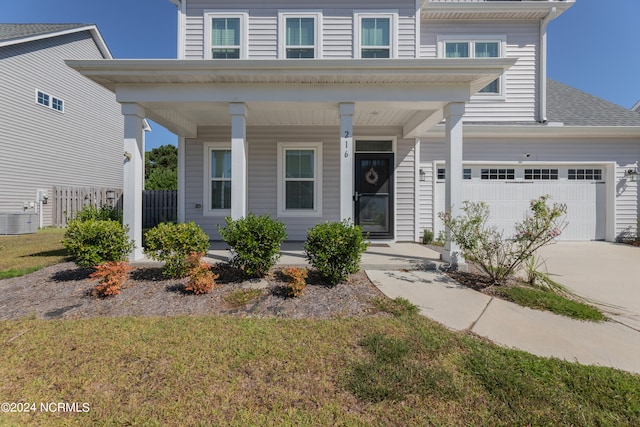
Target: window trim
x=283, y=147
x=442, y=40
x=282, y=31
x=244, y=31
x=50, y=101
x=206, y=208
x=393, y=30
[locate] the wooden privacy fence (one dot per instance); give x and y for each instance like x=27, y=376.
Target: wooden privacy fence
x=159, y=206
x=69, y=200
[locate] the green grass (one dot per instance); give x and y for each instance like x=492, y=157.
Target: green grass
x=242, y=297
x=403, y=370
x=545, y=300
x=26, y=253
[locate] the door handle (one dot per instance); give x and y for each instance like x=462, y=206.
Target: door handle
x=356, y=196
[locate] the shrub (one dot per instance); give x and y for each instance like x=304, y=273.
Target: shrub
x=112, y=276
x=297, y=281
x=498, y=256
x=201, y=278
x=427, y=236
x=172, y=243
x=94, y=242
x=104, y=213
x=255, y=242
x=335, y=249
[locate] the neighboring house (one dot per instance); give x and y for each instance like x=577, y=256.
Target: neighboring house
x=57, y=128
x=355, y=110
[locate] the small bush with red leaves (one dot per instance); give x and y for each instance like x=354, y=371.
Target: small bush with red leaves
x=297, y=281
x=201, y=278
x=111, y=277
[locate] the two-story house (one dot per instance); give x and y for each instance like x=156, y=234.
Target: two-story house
x=58, y=129
x=381, y=112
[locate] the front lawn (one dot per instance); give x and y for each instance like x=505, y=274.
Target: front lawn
x=404, y=370
x=26, y=253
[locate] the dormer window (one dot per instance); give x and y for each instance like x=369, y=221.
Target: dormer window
x=300, y=35
x=225, y=36
x=375, y=35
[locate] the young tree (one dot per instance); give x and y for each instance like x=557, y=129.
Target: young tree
x=161, y=168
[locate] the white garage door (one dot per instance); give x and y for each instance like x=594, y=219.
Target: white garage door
x=509, y=189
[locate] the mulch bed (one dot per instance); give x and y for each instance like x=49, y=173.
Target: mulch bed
x=64, y=291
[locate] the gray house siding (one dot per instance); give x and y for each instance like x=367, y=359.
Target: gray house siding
x=41, y=147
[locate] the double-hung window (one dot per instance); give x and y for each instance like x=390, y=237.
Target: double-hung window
x=225, y=36
x=300, y=35
x=375, y=35
x=299, y=179
x=217, y=179
x=472, y=47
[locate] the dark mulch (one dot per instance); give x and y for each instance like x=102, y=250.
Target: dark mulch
x=65, y=291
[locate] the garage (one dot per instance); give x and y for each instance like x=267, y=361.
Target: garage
x=508, y=189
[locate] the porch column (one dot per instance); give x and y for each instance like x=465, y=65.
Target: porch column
x=347, y=110
x=133, y=175
x=453, y=187
x=238, y=112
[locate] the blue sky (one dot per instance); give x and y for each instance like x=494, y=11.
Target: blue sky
x=594, y=46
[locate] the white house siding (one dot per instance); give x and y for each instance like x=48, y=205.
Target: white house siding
x=624, y=152
x=521, y=83
x=41, y=147
x=337, y=28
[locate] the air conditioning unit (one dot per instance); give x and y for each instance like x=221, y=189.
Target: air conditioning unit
x=18, y=223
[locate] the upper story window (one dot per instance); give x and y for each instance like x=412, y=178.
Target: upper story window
x=225, y=35
x=300, y=35
x=475, y=47
x=375, y=35
x=49, y=101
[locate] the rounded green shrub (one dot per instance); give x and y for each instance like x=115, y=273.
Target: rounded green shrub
x=335, y=249
x=103, y=213
x=255, y=242
x=93, y=242
x=172, y=243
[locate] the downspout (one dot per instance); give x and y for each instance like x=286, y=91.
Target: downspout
x=182, y=13
x=542, y=74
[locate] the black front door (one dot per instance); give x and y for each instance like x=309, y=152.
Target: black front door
x=374, y=194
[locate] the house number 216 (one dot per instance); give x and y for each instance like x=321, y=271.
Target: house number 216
x=346, y=143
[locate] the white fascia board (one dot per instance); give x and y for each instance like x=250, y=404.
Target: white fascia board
x=542, y=131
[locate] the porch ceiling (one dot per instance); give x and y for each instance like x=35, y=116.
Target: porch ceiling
x=185, y=94
x=492, y=9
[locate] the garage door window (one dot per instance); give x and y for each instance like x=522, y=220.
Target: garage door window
x=442, y=174
x=541, y=174
x=585, y=174
x=495, y=174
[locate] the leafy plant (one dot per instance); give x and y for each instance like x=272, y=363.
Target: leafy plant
x=427, y=236
x=498, y=256
x=254, y=241
x=112, y=276
x=103, y=213
x=201, y=278
x=94, y=242
x=335, y=249
x=297, y=282
x=172, y=243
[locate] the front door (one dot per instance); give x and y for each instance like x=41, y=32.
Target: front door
x=374, y=194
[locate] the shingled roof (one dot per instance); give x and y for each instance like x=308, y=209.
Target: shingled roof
x=576, y=108
x=19, y=31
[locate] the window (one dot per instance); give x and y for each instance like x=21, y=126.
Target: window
x=541, y=174
x=218, y=178
x=468, y=47
x=299, y=180
x=49, y=101
x=299, y=35
x=375, y=35
x=442, y=174
x=225, y=36
x=495, y=174
x=585, y=174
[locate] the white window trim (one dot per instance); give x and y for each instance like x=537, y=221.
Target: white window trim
x=318, y=194
x=472, y=39
x=282, y=31
x=50, y=104
x=393, y=30
x=244, y=31
x=206, y=208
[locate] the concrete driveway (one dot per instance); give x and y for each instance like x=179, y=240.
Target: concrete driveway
x=607, y=274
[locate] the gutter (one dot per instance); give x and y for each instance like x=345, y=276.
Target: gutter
x=542, y=77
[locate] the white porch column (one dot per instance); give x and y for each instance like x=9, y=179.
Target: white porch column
x=347, y=110
x=238, y=111
x=453, y=188
x=133, y=175
x=182, y=144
